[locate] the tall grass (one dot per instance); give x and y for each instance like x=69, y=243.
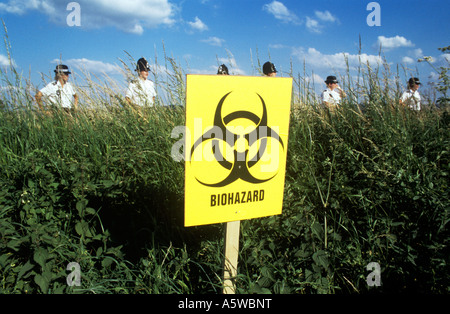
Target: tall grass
x=366, y=183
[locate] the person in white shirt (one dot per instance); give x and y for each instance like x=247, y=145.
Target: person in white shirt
x=59, y=93
x=411, y=97
x=141, y=92
x=222, y=70
x=269, y=69
x=333, y=95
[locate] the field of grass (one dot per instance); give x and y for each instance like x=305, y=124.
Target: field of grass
x=367, y=183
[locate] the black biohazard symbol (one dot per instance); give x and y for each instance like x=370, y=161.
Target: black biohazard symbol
x=239, y=169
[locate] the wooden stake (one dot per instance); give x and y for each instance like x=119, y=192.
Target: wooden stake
x=231, y=256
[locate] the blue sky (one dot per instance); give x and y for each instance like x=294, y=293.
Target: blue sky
x=201, y=34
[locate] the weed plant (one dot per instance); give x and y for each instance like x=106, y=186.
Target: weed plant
x=365, y=183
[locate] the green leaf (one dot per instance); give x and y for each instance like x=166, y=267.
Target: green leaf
x=80, y=206
x=15, y=244
x=82, y=228
x=266, y=253
x=107, y=183
x=25, y=268
x=59, y=289
x=107, y=262
x=91, y=210
x=320, y=258
x=4, y=260
x=43, y=281
x=40, y=256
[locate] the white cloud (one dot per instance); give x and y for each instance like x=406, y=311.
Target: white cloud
x=338, y=61
x=4, y=61
x=314, y=78
x=233, y=67
x=418, y=53
x=408, y=60
x=198, y=25
x=281, y=12
x=128, y=16
x=214, y=41
x=394, y=42
x=91, y=66
x=229, y=61
x=325, y=16
x=313, y=25
x=19, y=6
x=277, y=46
x=137, y=29
x=442, y=60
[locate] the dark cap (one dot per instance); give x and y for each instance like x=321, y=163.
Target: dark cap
x=268, y=68
x=414, y=80
x=61, y=68
x=142, y=65
x=331, y=79
x=222, y=70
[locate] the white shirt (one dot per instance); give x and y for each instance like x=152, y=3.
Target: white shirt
x=331, y=97
x=411, y=99
x=58, y=94
x=141, y=92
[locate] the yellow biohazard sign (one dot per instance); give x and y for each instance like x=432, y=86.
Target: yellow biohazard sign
x=236, y=146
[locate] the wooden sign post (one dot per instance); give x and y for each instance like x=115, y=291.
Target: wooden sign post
x=232, y=231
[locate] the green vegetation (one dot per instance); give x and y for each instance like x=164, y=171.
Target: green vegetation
x=100, y=188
